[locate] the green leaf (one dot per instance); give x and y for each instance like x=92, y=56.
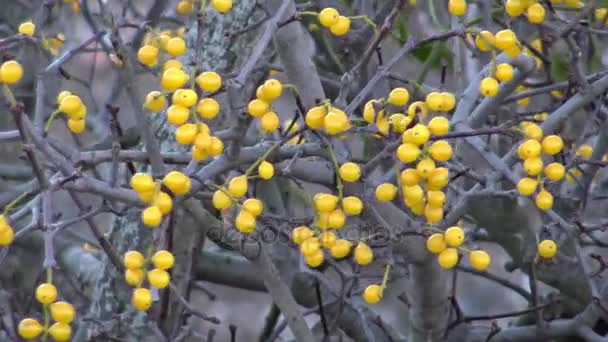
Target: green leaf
x=399, y=30
x=559, y=66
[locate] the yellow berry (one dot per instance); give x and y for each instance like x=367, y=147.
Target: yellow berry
x=177, y=115
x=163, y=260
x=439, y=125
x=435, y=243
x=352, y=205
x=133, y=260
x=341, y=27
x=409, y=177
x=480, y=260
x=46, y=293
x=325, y=202
x=176, y=46
x=533, y=166
x=328, y=239
x=527, y=186
x=315, y=259
x=414, y=193
x=505, y=39
x=341, y=248
x=266, y=170
x=257, y=108
x=209, y=81
x=27, y=28
x=270, y=122
x=514, y=8
x=408, y=153
x=363, y=254
x=238, y=186
x=336, y=219
x=399, y=122
x=164, y=202
x=62, y=312
x=141, y=299
x=177, y=182
x=489, y=87
x=328, y=17
x=485, y=41
x=336, y=121
x=173, y=79
x=386, y=192
x=60, y=331
x=532, y=130
x=301, y=234
x=152, y=216
x=142, y=182
x=435, y=198
x=70, y=104
x=7, y=235
x=62, y=95
x=584, y=151
x=420, y=134
x=172, y=63
x=441, y=150
x=448, y=258
x=448, y=101
x=186, y=133
x=372, y=294
x=184, y=97
x=134, y=277
x=208, y=108
x=398, y=97
x=184, y=7
x=425, y=167
x=555, y=171
x=536, y=13
x=529, y=149
x=76, y=126
x=254, y=206
x=433, y=214
x=419, y=107
x=147, y=55
x=544, y=200
x=310, y=246
x=159, y=278
x=504, y=72
x=155, y=101
x=457, y=7
x=271, y=90
x=245, y=222
x=315, y=117
x=547, y=249
x=454, y=236
x=29, y=328
x=438, y=178
x=222, y=6
x=350, y=172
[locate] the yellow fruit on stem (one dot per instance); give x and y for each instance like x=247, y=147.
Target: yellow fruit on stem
x=29, y=328
x=409, y=177
x=436, y=243
x=527, y=186
x=133, y=260
x=533, y=166
x=536, y=13
x=208, y=108
x=254, y=206
x=439, y=125
x=315, y=259
x=552, y=144
x=435, y=198
x=336, y=219
x=173, y=79
x=142, y=182
x=159, y=278
x=60, y=331
x=433, y=214
x=350, y=172
x=271, y=89
x=164, y=202
x=141, y=299
x=372, y=294
x=352, y=205
x=62, y=312
x=134, y=277
x=398, y=97
x=505, y=39
x=76, y=126
x=147, y=54
x=315, y=117
x=514, y=8
x=177, y=115
x=529, y=149
x=209, y=81
x=257, y=108
x=163, y=260
x=177, y=182
x=184, y=97
x=386, y=192
x=457, y=7
x=341, y=248
x=265, y=170
x=46, y=293
x=532, y=130
x=155, y=101
x=245, y=222
x=489, y=87
x=420, y=134
x=504, y=72
x=238, y=186
x=419, y=108
x=222, y=6
x=544, y=200
x=301, y=234
x=448, y=258
x=547, y=249
x=480, y=260
x=441, y=150
x=341, y=27
x=152, y=216
x=328, y=239
x=176, y=46
x=186, y=133
x=28, y=28
x=310, y=246
x=425, y=167
x=555, y=171
x=485, y=41
x=328, y=17
x=325, y=202
x=363, y=254
x=408, y=153
x=270, y=122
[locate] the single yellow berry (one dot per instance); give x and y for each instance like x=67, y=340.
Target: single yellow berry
x=420, y=108
x=133, y=260
x=544, y=200
x=134, y=277
x=352, y=205
x=238, y=186
x=336, y=219
x=555, y=171
x=438, y=178
x=420, y=134
x=363, y=254
x=141, y=299
x=173, y=79
x=328, y=17
x=425, y=167
x=341, y=248
x=457, y=7
x=315, y=259
x=514, y=8
x=155, y=101
x=70, y=104
x=504, y=72
x=270, y=122
x=547, y=249
x=7, y=235
x=152, y=216
x=222, y=6
x=533, y=166
x=532, y=130
x=176, y=46
x=184, y=7
x=177, y=115
x=257, y=108
x=46, y=293
x=350, y=172
x=584, y=151
x=147, y=55
x=159, y=278
x=435, y=243
x=407, y=153
x=441, y=150
x=310, y=246
x=209, y=81
x=164, y=202
x=485, y=41
x=266, y=170
x=177, y=182
x=372, y=294
x=439, y=125
x=454, y=236
x=448, y=258
x=536, y=13
x=315, y=117
x=208, y=108
x=505, y=39
x=76, y=126
x=325, y=202
x=29, y=328
x=529, y=149
x=435, y=198
x=386, y=192
x=399, y=122
x=163, y=260
x=27, y=28
x=328, y=239
x=245, y=222
x=398, y=97
x=336, y=121
x=60, y=331
x=62, y=312
x=489, y=87
x=527, y=186
x=341, y=27
x=254, y=206
x=186, y=133
x=480, y=260
x=142, y=182
x=184, y=97
x=301, y=234
x=271, y=90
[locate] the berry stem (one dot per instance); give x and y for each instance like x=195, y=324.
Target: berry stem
x=13, y=203
x=310, y=13
x=387, y=270
x=49, y=122
x=9, y=95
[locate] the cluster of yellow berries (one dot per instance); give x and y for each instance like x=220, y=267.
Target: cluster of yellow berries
x=457, y=7
x=504, y=40
x=184, y=102
x=584, y=152
x=53, y=44
x=489, y=86
x=185, y=7
x=337, y=24
x=374, y=111
x=62, y=313
x=76, y=111
x=27, y=28
x=251, y=208
x=261, y=106
x=530, y=151
x=148, y=53
x=11, y=72
x=161, y=203
x=332, y=119
x=135, y=264
x=535, y=12
x=7, y=234
x=446, y=246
